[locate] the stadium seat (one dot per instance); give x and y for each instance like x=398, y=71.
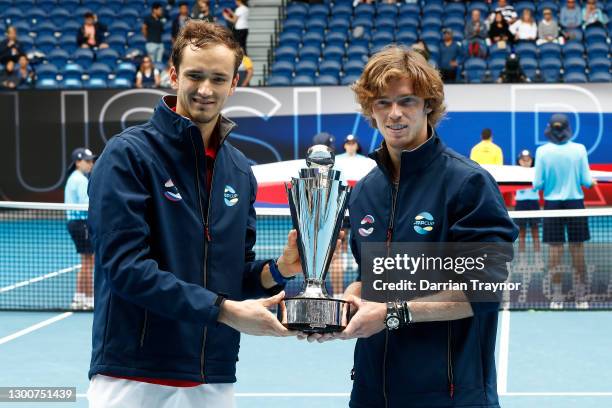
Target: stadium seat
x=550, y=69
x=121, y=83
x=573, y=49
x=431, y=37
x=68, y=43
x=120, y=27
x=478, y=5
x=71, y=27
x=293, y=26
x=548, y=50
x=363, y=22
x=571, y=65
x=409, y=9
x=47, y=83
x=106, y=16
x=13, y=15
x=598, y=50
x=36, y=15
x=285, y=54
x=431, y=9
x=331, y=68
x=384, y=23
x=496, y=65
x=575, y=77
x=353, y=67
x=83, y=56
x=406, y=37
x=57, y=57
x=46, y=5
x=303, y=80
x=356, y=52
x=115, y=5
x=456, y=24
x=341, y=10
x=339, y=25
x=380, y=39
x=306, y=68
x=108, y=57
x=96, y=5
x=27, y=42
x=326, y=80
x=136, y=41
x=318, y=11
x=99, y=71
x=364, y=10
x=496, y=52
x=46, y=71
x=547, y=4
x=290, y=39
x=408, y=23
x=335, y=39
x=284, y=68
x=96, y=83
x=312, y=39
x=71, y=5
x=279, y=80
x=530, y=67
x=46, y=43
x=386, y=10
x=126, y=70
x=59, y=16
x=475, y=70
x=526, y=50
x=454, y=10
x=72, y=71
x=524, y=5
x=349, y=79
x=431, y=24
x=45, y=28
x=600, y=77
x=25, y=5
x=599, y=65
x=333, y=53
x=310, y=53
x=316, y=25
x=297, y=10
x=595, y=35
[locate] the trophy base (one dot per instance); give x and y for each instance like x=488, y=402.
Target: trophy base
x=314, y=315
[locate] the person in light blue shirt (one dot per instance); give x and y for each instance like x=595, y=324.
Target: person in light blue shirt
x=76, y=193
x=528, y=200
x=561, y=170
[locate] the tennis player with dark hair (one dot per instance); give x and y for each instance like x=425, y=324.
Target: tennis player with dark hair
x=75, y=192
x=173, y=223
x=440, y=351
x=561, y=170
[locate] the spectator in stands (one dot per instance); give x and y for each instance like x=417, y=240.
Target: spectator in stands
x=512, y=72
x=91, y=34
x=593, y=16
x=487, y=152
x=528, y=200
x=201, y=11
x=153, y=29
x=561, y=170
x=475, y=35
x=10, y=48
x=507, y=11
x=499, y=32
x=147, y=76
x=570, y=19
x=548, y=30
x=27, y=76
x=245, y=70
x=164, y=76
x=240, y=20
x=181, y=19
x=450, y=56
x=525, y=29
x=9, y=78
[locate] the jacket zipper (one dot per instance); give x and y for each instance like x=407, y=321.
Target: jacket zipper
x=144, y=328
x=451, y=380
x=389, y=236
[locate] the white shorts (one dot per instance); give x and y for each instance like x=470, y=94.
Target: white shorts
x=109, y=392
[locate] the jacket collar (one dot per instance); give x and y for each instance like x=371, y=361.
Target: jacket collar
x=174, y=125
x=412, y=161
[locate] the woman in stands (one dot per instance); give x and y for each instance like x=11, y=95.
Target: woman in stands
x=26, y=74
x=9, y=78
x=147, y=76
x=240, y=19
x=525, y=29
x=499, y=33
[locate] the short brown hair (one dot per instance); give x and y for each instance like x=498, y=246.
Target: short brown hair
x=202, y=34
x=393, y=62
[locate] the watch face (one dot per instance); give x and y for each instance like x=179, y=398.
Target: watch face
x=393, y=322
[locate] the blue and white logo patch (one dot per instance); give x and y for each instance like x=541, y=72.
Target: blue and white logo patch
x=366, y=226
x=171, y=192
x=424, y=223
x=230, y=196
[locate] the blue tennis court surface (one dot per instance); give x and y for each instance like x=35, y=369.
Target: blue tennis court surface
x=553, y=359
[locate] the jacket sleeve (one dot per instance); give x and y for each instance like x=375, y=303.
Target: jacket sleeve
x=538, y=179
x=251, y=278
x=480, y=216
x=585, y=171
x=118, y=206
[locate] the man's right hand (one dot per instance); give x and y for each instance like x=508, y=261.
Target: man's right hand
x=253, y=317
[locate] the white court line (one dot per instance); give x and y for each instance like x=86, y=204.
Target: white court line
x=34, y=327
x=39, y=278
x=504, y=350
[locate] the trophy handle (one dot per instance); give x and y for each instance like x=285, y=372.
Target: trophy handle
x=294, y=222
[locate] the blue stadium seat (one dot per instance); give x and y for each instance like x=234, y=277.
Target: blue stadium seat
x=13, y=15
x=573, y=49
x=363, y=22
x=303, y=80
x=363, y=40
x=27, y=42
x=353, y=67
x=496, y=52
x=475, y=70
x=72, y=5
x=120, y=27
x=68, y=43
x=46, y=5
x=45, y=28
x=478, y=5
x=547, y=50
x=599, y=65
x=547, y=4
x=57, y=57
x=406, y=37
x=432, y=10
x=381, y=39
x=83, y=56
x=126, y=70
x=312, y=39
x=339, y=25
x=36, y=15
x=307, y=68
x=356, y=52
x=59, y=16
x=333, y=53
x=431, y=24
x=297, y=10
x=317, y=25
x=96, y=5
x=282, y=68
x=25, y=5
x=47, y=83
x=384, y=22
x=326, y=80
x=431, y=37
x=386, y=10
x=72, y=71
x=455, y=10
x=106, y=15
x=335, y=39
x=530, y=67
x=121, y=83
x=132, y=17
x=293, y=26
x=409, y=9
x=349, y=79
x=318, y=11
x=496, y=66
x=134, y=54
x=309, y=53
x=598, y=50
x=289, y=39
x=454, y=23
x=408, y=23
x=522, y=5
x=22, y=26
x=332, y=68
x=526, y=50
x=279, y=80
x=575, y=77
x=571, y=65
x=46, y=71
x=595, y=35
x=99, y=71
x=96, y=83
x=71, y=27
x=46, y=43
x=136, y=41
x=600, y=77
x=341, y=10
x=285, y=54
x=550, y=69
x=116, y=5
x=364, y=10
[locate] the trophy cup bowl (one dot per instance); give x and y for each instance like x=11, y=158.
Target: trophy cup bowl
x=317, y=200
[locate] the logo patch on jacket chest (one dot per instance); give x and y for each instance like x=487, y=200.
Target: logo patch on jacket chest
x=230, y=196
x=366, y=226
x=171, y=192
x=424, y=223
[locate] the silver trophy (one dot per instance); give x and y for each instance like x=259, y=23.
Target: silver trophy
x=317, y=199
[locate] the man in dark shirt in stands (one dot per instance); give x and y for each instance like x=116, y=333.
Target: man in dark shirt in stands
x=180, y=20
x=152, y=29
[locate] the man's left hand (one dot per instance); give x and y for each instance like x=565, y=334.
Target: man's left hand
x=369, y=319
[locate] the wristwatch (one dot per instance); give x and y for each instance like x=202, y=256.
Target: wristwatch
x=392, y=321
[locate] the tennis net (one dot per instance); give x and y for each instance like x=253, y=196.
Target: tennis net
x=39, y=263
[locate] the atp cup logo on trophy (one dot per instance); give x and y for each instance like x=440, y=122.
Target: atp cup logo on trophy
x=317, y=199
